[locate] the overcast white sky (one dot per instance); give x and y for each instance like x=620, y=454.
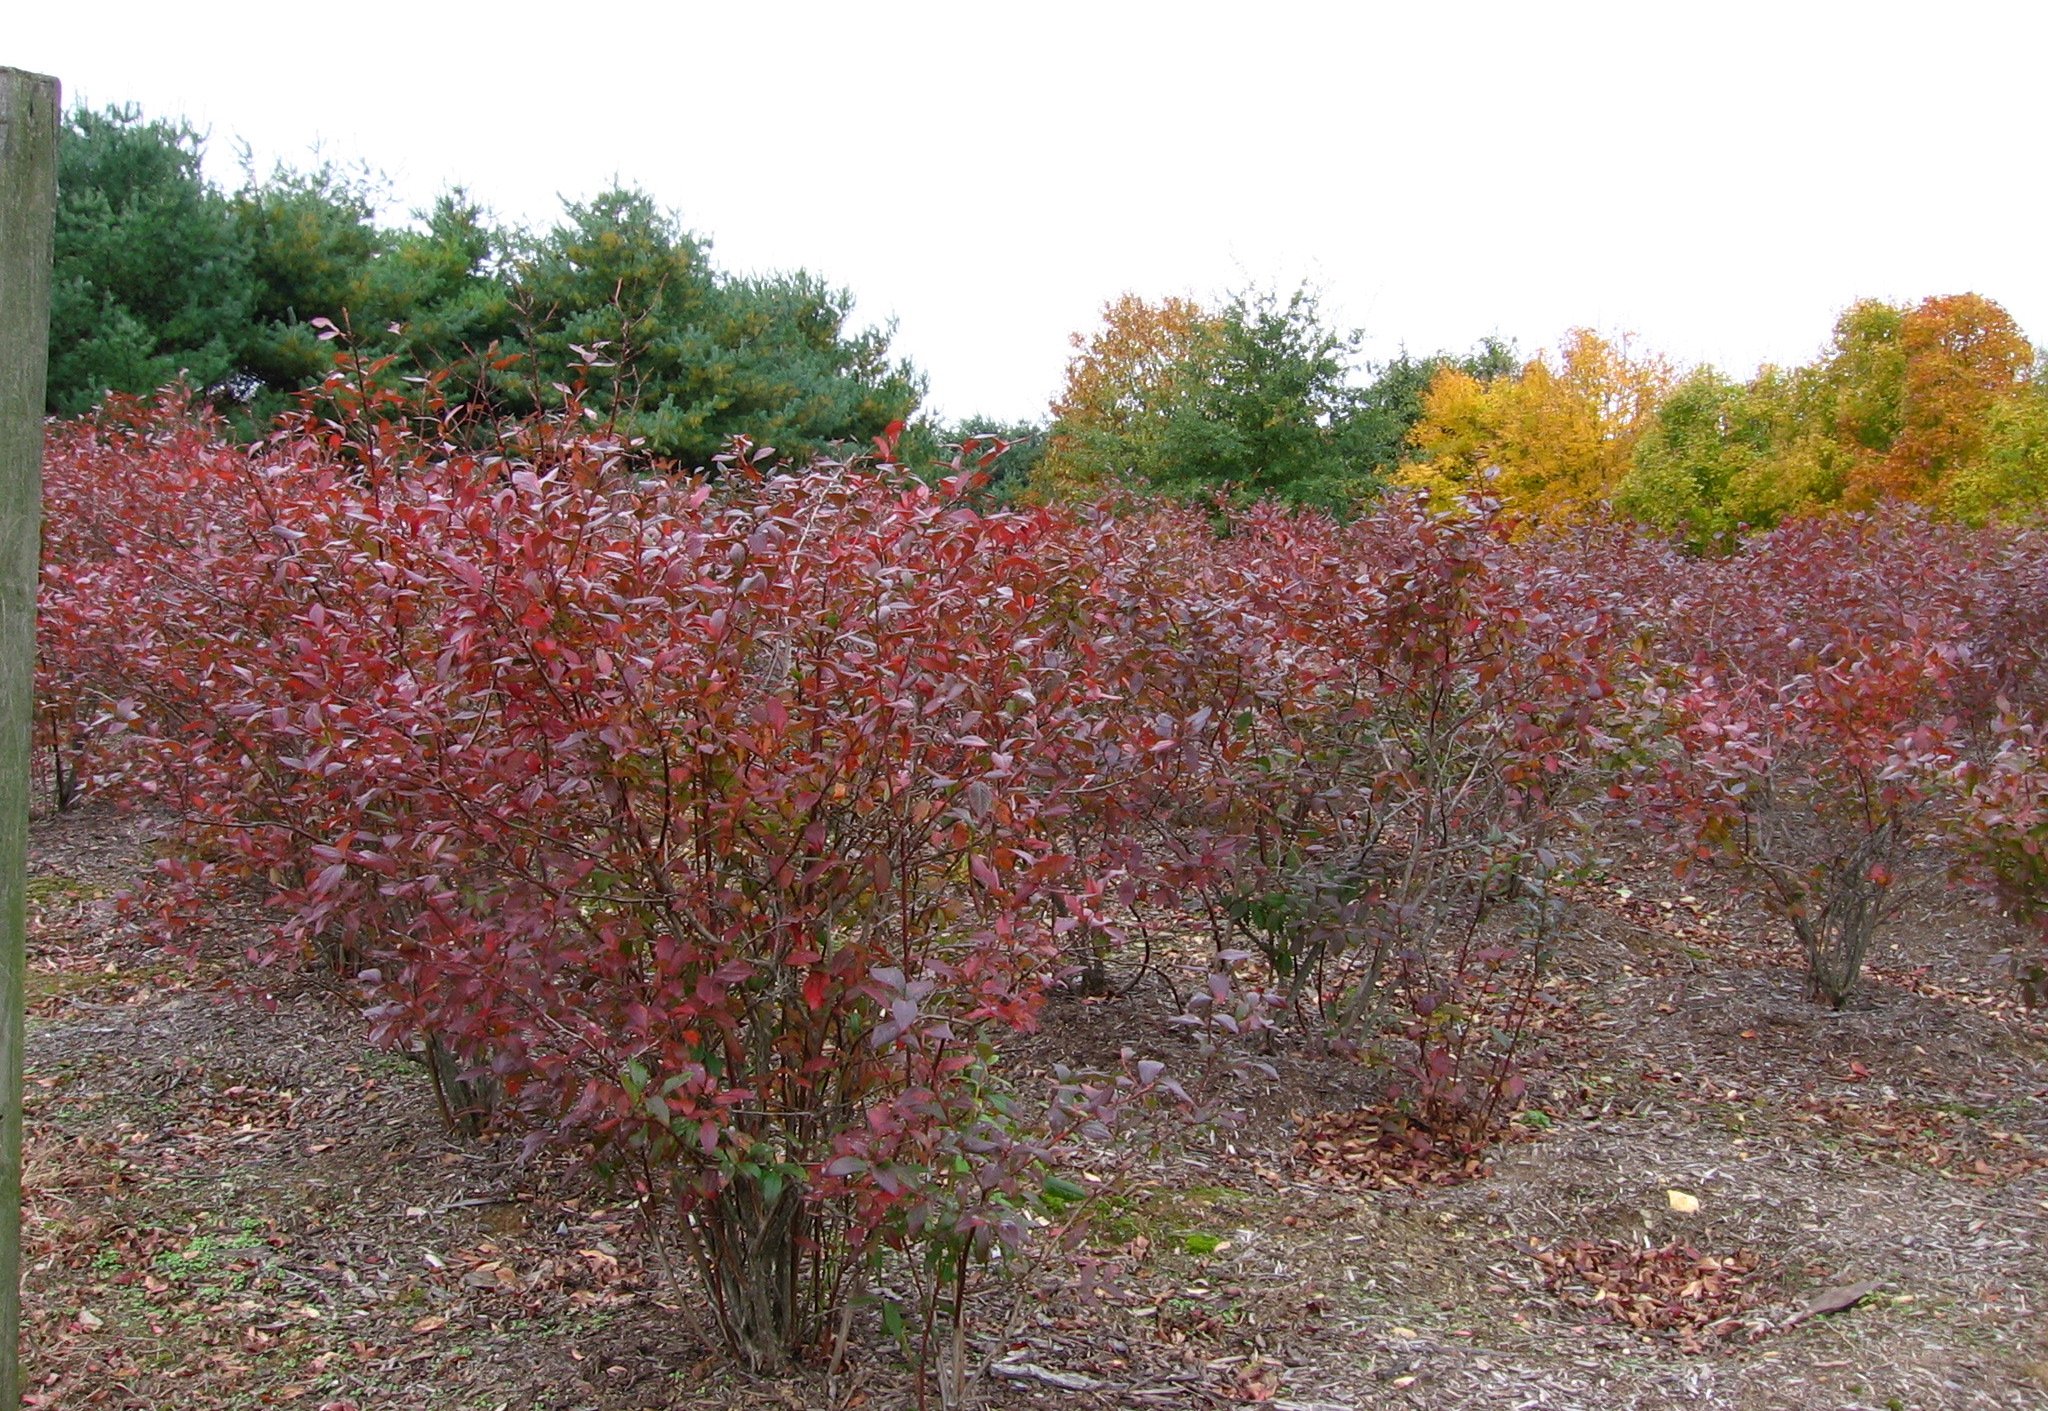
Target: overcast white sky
x=1717, y=179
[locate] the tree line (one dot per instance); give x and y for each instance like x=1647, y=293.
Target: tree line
x=162, y=275
x=1942, y=404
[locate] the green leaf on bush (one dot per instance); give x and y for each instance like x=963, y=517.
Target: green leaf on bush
x=1059, y=1192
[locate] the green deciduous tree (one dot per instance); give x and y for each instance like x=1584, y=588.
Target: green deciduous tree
x=1269, y=410
x=2008, y=478
x=1721, y=456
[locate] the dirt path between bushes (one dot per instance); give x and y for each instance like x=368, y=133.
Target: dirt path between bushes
x=232, y=1202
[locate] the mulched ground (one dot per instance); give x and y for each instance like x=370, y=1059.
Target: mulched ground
x=233, y=1203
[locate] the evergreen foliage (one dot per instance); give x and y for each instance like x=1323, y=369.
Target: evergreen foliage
x=160, y=275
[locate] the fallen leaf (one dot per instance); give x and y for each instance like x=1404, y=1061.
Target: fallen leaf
x=1683, y=1203
x=430, y=1324
x=1839, y=1299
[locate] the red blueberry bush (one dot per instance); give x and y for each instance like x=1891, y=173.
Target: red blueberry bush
x=2006, y=836
x=712, y=824
x=1357, y=750
x=1814, y=690
x=1476, y=695
x=716, y=827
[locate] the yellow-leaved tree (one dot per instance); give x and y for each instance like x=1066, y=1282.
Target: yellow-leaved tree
x=1551, y=443
x=2008, y=479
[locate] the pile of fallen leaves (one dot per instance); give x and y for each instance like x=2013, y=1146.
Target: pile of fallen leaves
x=1377, y=1147
x=1946, y=1143
x=1670, y=1290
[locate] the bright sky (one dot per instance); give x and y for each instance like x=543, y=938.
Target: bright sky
x=1719, y=180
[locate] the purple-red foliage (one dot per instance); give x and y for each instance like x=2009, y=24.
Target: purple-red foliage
x=2005, y=811
x=714, y=823
x=1816, y=690
x=715, y=826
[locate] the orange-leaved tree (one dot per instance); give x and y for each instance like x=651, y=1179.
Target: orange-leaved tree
x=1908, y=397
x=1960, y=355
x=1122, y=383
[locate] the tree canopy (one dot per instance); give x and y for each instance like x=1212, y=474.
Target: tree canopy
x=160, y=274
x=1262, y=397
x=1553, y=441
x=1937, y=404
x=152, y=275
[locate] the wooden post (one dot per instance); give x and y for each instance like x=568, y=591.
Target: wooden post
x=28, y=212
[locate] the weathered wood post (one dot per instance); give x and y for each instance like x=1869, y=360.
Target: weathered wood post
x=28, y=209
